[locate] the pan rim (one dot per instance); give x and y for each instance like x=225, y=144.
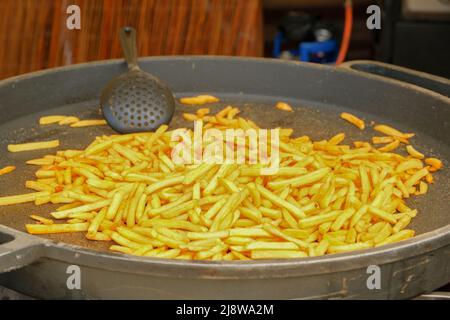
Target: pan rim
x=251, y=269
x=426, y=242
x=194, y=58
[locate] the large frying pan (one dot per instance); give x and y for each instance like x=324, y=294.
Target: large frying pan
x=38, y=266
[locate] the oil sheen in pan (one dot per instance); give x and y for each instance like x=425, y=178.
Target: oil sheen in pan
x=317, y=121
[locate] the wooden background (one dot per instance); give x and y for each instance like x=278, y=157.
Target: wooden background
x=34, y=36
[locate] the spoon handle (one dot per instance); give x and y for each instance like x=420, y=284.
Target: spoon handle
x=128, y=41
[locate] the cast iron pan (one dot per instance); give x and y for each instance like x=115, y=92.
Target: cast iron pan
x=318, y=94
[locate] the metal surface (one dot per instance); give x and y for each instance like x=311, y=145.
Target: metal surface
x=437, y=295
x=423, y=80
x=431, y=9
x=136, y=101
x=318, y=95
x=8, y=294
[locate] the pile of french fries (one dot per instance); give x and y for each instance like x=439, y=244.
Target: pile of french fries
x=326, y=197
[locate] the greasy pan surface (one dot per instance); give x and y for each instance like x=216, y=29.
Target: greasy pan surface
x=318, y=122
x=318, y=95
x=318, y=119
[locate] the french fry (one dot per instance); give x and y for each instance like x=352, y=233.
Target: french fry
x=180, y=209
x=189, y=116
x=423, y=187
x=42, y=200
x=280, y=202
x=341, y=219
x=134, y=236
x=199, y=100
x=81, y=215
x=203, y=111
x=390, y=146
x=7, y=169
x=41, y=162
x=227, y=208
x=283, y=106
x=68, y=120
x=382, y=214
x=155, y=136
x=353, y=120
x=319, y=219
x=416, y=177
x=262, y=245
x=56, y=228
x=322, y=247
x=232, y=113
x=50, y=119
x=168, y=241
x=387, y=130
x=408, y=165
x=68, y=206
x=33, y=146
x=209, y=253
x=197, y=172
x=124, y=241
x=383, y=233
x=273, y=230
x=414, y=153
x=211, y=213
x=41, y=219
x=95, y=223
x=75, y=220
x=399, y=236
x=22, y=198
x=207, y=235
x=98, y=237
x=381, y=140
x=84, y=208
x=121, y=249
x=88, y=123
x=87, y=198
x=248, y=232
x=288, y=171
x=402, y=223
x=162, y=184
x=39, y=186
x=302, y=180
x=434, y=162
x=337, y=139
x=183, y=225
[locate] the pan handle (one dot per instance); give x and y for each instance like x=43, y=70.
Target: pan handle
x=18, y=249
x=421, y=79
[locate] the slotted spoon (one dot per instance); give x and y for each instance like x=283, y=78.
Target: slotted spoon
x=136, y=101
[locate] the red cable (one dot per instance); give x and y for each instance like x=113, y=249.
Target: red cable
x=347, y=32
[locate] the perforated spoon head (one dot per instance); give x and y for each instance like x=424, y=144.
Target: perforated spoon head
x=136, y=101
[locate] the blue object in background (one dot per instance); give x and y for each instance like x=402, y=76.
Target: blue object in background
x=318, y=51
x=315, y=51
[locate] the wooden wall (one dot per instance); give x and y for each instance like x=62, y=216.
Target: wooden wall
x=34, y=36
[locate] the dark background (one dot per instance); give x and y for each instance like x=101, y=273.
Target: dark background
x=33, y=33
